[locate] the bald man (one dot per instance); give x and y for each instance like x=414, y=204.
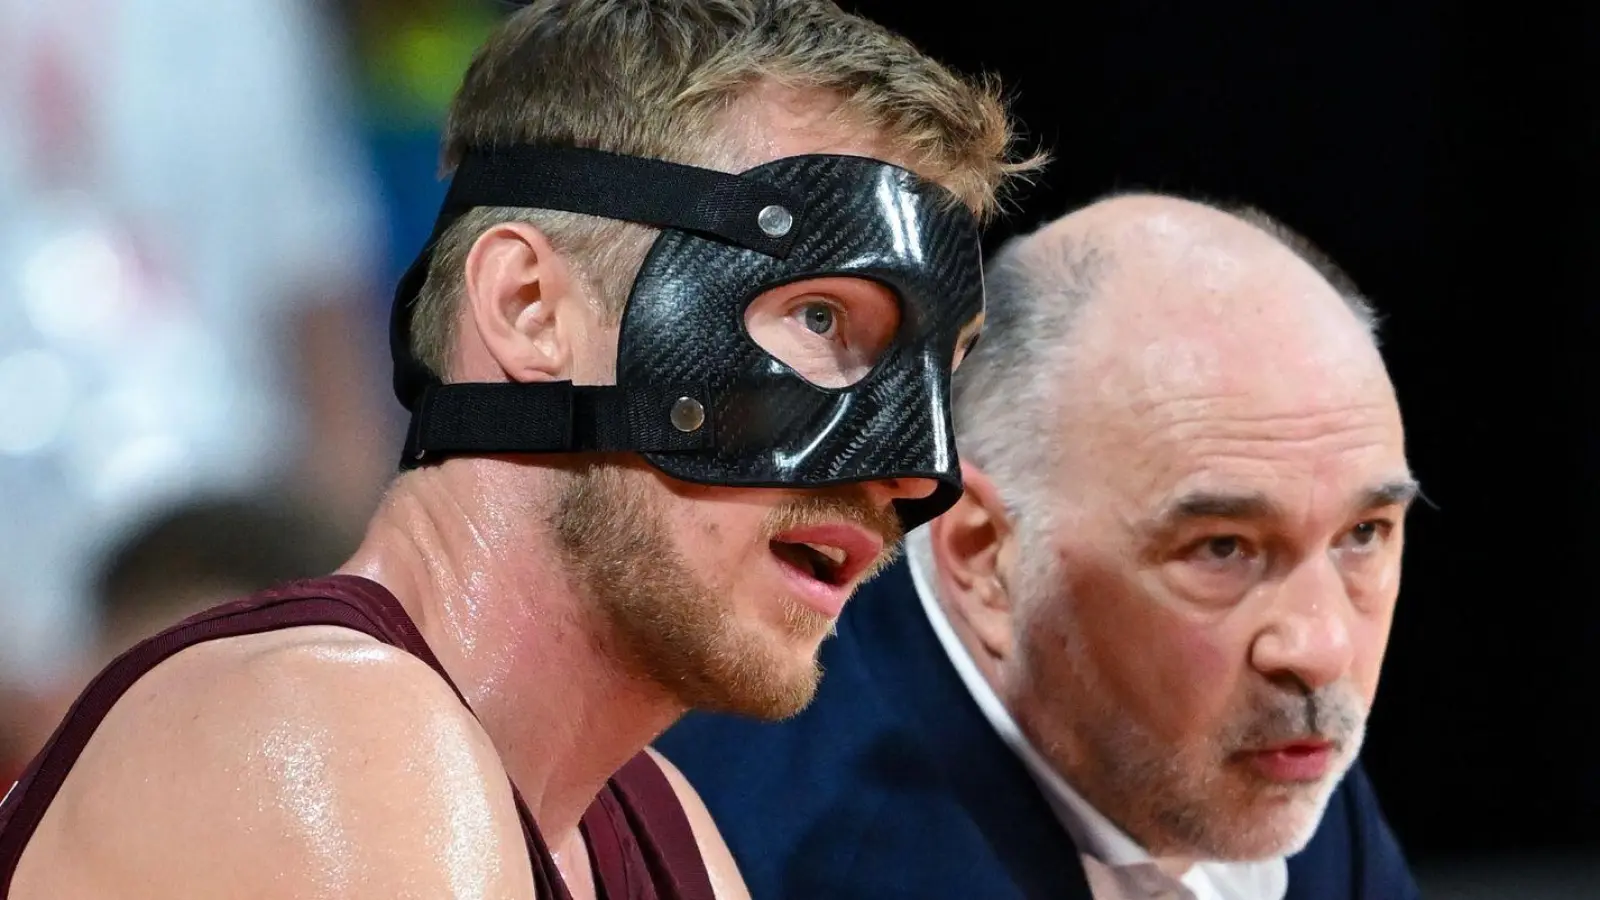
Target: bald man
x=1136, y=660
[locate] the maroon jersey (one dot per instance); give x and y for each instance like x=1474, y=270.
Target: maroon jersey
x=638, y=834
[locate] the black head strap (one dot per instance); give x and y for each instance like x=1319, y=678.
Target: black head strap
x=461, y=418
x=626, y=188
x=556, y=417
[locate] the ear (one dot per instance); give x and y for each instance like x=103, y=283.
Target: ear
x=972, y=548
x=524, y=302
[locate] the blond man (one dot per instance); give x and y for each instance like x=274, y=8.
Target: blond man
x=676, y=360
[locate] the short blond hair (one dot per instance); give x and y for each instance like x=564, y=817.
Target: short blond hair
x=654, y=78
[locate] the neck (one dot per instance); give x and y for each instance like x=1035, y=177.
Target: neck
x=1097, y=834
x=485, y=584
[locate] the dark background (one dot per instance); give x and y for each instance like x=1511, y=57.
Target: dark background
x=1446, y=159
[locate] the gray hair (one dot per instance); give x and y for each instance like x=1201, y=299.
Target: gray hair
x=1033, y=292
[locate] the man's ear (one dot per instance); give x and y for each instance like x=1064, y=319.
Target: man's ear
x=972, y=550
x=524, y=303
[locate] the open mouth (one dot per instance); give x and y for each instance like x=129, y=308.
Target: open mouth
x=829, y=558
x=823, y=563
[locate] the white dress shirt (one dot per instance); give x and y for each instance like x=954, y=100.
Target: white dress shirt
x=1116, y=866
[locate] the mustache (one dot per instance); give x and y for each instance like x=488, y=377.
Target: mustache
x=847, y=503
x=833, y=505
x=1334, y=713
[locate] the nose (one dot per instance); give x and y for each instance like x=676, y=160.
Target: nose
x=1308, y=635
x=886, y=490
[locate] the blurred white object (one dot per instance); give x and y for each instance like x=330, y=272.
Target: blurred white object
x=176, y=178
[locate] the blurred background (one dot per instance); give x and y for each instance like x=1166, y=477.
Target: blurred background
x=204, y=205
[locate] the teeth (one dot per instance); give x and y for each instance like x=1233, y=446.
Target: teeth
x=834, y=554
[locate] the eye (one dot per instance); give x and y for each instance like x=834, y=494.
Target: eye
x=1368, y=535
x=1224, y=556
x=819, y=318
x=1221, y=554
x=1218, y=569
x=1223, y=548
x=830, y=331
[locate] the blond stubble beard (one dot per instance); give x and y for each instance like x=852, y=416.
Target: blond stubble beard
x=669, y=626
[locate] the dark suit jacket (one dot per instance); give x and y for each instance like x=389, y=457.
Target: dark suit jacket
x=893, y=784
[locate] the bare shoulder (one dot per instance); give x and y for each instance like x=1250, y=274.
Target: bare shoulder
x=725, y=877
x=306, y=762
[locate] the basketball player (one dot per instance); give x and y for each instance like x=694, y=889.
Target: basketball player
x=676, y=358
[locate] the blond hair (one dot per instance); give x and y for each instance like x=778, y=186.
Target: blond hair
x=654, y=78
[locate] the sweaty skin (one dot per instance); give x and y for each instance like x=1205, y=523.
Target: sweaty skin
x=318, y=763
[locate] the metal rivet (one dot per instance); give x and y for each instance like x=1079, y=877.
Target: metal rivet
x=775, y=221
x=688, y=414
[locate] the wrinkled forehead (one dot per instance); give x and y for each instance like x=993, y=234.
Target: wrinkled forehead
x=1186, y=413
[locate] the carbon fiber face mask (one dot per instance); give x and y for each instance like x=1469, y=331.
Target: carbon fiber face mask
x=696, y=395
